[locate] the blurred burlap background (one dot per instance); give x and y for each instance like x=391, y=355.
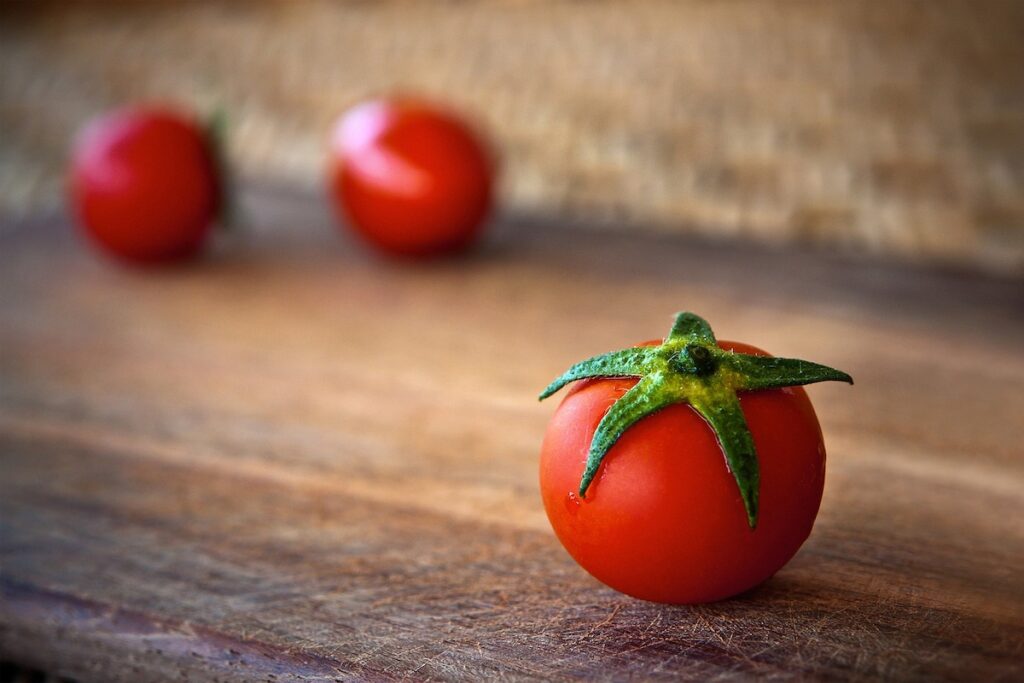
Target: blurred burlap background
x=895, y=127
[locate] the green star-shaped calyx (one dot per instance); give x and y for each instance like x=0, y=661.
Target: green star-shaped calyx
x=690, y=367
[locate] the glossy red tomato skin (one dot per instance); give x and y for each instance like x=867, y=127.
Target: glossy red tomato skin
x=144, y=185
x=663, y=519
x=412, y=179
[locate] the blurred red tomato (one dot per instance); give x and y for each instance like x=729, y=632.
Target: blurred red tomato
x=412, y=179
x=145, y=185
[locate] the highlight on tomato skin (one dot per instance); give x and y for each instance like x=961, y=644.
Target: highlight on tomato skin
x=712, y=473
x=144, y=184
x=411, y=178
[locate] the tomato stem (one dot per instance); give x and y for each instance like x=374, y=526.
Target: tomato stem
x=217, y=136
x=690, y=367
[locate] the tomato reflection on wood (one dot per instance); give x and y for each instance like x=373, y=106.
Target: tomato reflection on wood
x=676, y=523
x=146, y=184
x=410, y=178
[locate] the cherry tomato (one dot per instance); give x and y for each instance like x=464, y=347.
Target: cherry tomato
x=412, y=179
x=144, y=185
x=663, y=519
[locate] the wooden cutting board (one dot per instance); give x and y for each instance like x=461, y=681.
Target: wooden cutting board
x=295, y=462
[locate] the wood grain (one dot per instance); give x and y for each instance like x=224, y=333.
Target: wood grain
x=896, y=128
x=295, y=462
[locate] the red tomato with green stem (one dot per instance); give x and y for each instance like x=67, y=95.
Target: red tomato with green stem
x=410, y=178
x=145, y=184
x=701, y=486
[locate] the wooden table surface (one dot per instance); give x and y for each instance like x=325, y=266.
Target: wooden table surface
x=295, y=462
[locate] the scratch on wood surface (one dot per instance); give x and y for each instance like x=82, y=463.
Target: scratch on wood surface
x=604, y=622
x=698, y=611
